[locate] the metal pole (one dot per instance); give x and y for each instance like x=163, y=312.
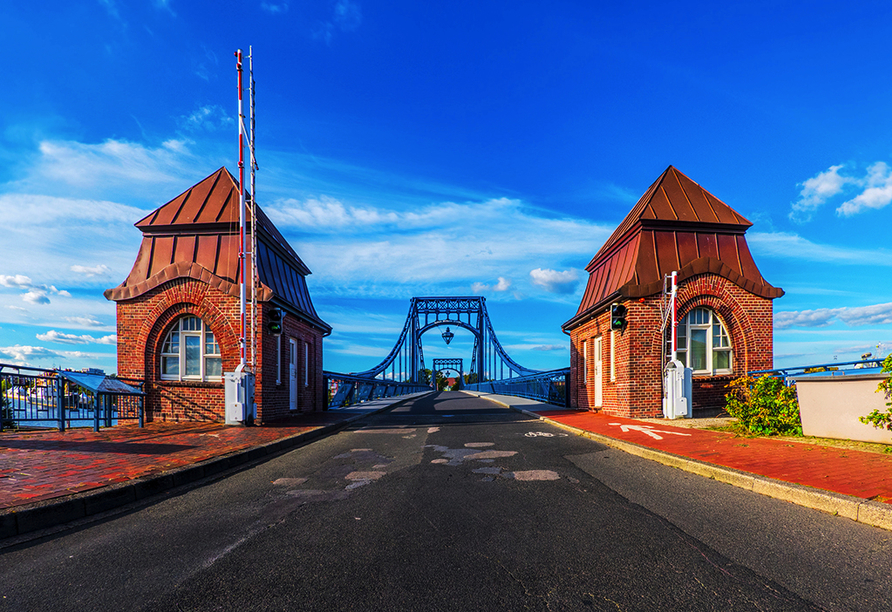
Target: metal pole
x=674, y=318
x=253, y=212
x=241, y=212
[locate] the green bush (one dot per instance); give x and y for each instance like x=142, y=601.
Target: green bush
x=882, y=420
x=764, y=406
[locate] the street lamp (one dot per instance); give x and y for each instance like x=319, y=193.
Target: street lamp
x=447, y=336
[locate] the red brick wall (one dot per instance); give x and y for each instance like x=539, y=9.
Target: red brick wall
x=275, y=392
x=637, y=390
x=143, y=323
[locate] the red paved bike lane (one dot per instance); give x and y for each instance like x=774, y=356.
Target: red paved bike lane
x=849, y=472
x=45, y=465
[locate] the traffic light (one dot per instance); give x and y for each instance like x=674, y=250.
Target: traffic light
x=617, y=316
x=274, y=322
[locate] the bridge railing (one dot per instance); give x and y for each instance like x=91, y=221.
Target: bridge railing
x=549, y=386
x=348, y=390
x=790, y=373
x=45, y=399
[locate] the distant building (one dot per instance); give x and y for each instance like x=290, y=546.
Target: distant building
x=178, y=311
x=724, y=306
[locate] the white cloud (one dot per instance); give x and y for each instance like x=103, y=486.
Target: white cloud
x=786, y=245
x=23, y=354
x=99, y=270
x=347, y=15
x=876, y=314
x=36, y=296
x=874, y=191
x=438, y=248
x=84, y=321
x=63, y=338
x=503, y=285
x=210, y=117
x=114, y=167
x=274, y=8
x=19, y=280
x=62, y=235
x=877, y=192
x=555, y=282
x=805, y=318
x=816, y=191
x=164, y=5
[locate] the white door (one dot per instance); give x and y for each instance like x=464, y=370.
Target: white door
x=292, y=372
x=599, y=377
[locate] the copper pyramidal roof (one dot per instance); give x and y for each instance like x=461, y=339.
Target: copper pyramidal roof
x=675, y=226
x=196, y=235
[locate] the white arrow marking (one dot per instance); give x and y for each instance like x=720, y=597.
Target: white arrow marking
x=649, y=430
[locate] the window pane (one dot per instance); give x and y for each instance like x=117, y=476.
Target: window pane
x=722, y=360
x=191, y=324
x=193, y=355
x=172, y=343
x=214, y=367
x=210, y=344
x=683, y=357
x=170, y=366
x=698, y=349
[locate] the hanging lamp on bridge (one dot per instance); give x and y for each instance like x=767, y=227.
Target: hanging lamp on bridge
x=447, y=336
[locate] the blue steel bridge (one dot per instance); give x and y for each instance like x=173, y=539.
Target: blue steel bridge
x=491, y=368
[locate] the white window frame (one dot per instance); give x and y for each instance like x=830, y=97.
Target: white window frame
x=585, y=361
x=306, y=364
x=174, y=347
x=704, y=321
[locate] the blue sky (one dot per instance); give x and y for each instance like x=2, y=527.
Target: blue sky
x=456, y=148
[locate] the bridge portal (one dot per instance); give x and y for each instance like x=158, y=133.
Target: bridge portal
x=489, y=360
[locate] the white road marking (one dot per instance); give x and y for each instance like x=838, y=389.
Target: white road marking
x=649, y=430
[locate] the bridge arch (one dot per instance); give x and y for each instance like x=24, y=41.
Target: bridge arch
x=489, y=360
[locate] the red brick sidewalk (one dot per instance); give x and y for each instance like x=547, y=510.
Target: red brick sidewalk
x=856, y=473
x=46, y=465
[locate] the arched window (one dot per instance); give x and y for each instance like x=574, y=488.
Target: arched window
x=703, y=343
x=190, y=352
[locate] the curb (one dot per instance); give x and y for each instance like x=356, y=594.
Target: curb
x=865, y=511
x=46, y=514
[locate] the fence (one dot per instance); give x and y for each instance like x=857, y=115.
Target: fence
x=33, y=398
x=347, y=390
x=791, y=373
x=549, y=387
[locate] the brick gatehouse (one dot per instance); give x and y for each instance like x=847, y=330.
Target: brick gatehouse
x=178, y=311
x=724, y=306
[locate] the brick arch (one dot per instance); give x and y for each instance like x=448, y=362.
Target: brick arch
x=713, y=293
x=174, y=303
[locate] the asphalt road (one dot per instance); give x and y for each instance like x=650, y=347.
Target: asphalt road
x=453, y=503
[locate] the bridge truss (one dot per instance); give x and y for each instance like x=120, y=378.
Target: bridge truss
x=489, y=360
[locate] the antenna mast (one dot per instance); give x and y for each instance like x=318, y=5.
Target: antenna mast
x=241, y=213
x=254, y=167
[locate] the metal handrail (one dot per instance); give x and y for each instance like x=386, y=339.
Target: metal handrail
x=835, y=368
x=549, y=386
x=42, y=398
x=349, y=389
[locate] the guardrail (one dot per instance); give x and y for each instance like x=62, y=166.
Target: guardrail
x=549, y=387
x=864, y=366
x=45, y=399
x=347, y=390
